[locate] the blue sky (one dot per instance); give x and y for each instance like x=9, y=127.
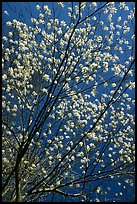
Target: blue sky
x=21, y=10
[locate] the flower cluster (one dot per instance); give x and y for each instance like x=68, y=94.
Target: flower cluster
x=68, y=100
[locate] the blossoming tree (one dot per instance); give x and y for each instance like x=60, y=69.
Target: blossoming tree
x=68, y=103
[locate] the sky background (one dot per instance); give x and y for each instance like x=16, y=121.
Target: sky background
x=19, y=7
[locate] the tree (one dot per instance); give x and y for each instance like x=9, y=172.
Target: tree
x=68, y=103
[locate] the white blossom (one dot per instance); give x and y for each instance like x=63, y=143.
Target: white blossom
x=46, y=77
x=38, y=7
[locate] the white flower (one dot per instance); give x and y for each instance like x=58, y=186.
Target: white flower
x=50, y=157
x=62, y=23
x=4, y=38
x=3, y=104
x=122, y=5
x=46, y=77
x=94, y=4
x=88, y=147
x=47, y=10
x=81, y=144
x=61, y=4
x=15, y=107
x=111, y=3
x=98, y=38
x=10, y=34
x=38, y=7
x=59, y=156
x=4, y=77
x=56, y=21
x=110, y=155
x=58, y=183
x=73, y=158
x=80, y=154
x=83, y=4
x=41, y=15
x=50, y=163
x=113, y=85
x=94, y=18
x=8, y=23
x=98, y=189
x=26, y=162
x=84, y=160
x=33, y=165
x=45, y=7
x=119, y=18
x=10, y=71
x=33, y=20
x=5, y=160
x=68, y=148
x=49, y=25
x=93, y=65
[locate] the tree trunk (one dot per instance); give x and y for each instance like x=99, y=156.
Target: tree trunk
x=18, y=187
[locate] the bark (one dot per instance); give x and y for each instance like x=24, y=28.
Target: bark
x=18, y=184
